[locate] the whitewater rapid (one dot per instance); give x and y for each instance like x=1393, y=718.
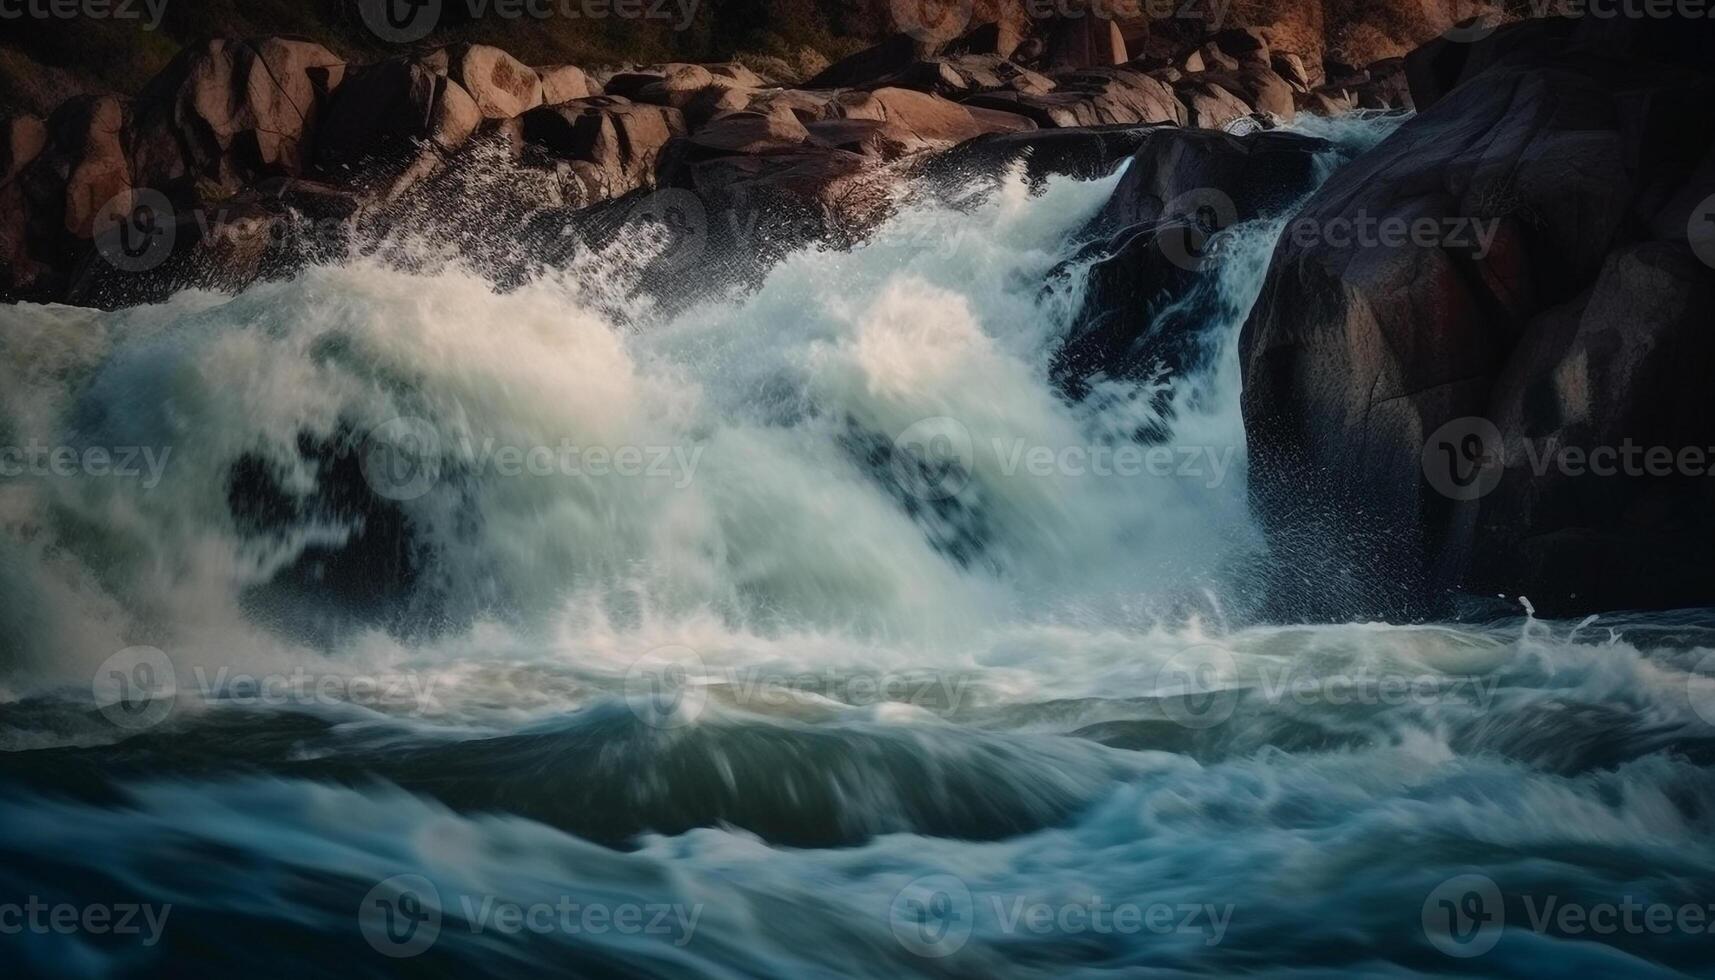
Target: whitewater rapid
x=911, y=673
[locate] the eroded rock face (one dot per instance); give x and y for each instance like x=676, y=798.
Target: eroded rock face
x=893, y=54
x=1084, y=41
x=230, y=116
x=1399, y=396
x=382, y=106
x=1152, y=245
x=63, y=174
x=611, y=142
x=1093, y=97
x=233, y=111
x=1209, y=105
x=563, y=83
x=501, y=86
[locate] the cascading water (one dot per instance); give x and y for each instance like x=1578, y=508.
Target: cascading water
x=928, y=670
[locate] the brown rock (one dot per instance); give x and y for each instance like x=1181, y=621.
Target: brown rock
x=992, y=38
x=807, y=106
x=894, y=54
x=715, y=102
x=501, y=85
x=1084, y=41
x=1386, y=87
x=865, y=137
x=678, y=86
x=1257, y=87
x=379, y=109
x=1093, y=97
x=752, y=132
x=1543, y=307
x=22, y=138
x=1291, y=67
x=86, y=145
x=456, y=116
x=929, y=119
x=734, y=74
x=612, y=142
x=563, y=83
x=1325, y=102
x=232, y=111
x=1214, y=59
x=1208, y=105
x=1244, y=45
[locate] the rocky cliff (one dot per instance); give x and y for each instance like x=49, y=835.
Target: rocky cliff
x=1479, y=365
x=246, y=158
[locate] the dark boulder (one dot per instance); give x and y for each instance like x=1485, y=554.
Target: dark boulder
x=229, y=112
x=68, y=177
x=1083, y=41
x=1150, y=293
x=892, y=55
x=611, y=143
x=1401, y=393
x=1092, y=97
